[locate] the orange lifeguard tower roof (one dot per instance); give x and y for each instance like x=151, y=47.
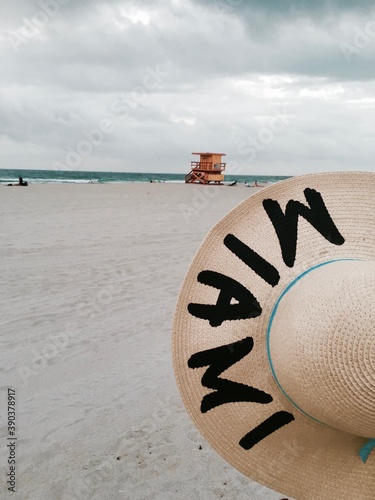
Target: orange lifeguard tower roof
x=221, y=154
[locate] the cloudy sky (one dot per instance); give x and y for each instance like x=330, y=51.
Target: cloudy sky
x=281, y=86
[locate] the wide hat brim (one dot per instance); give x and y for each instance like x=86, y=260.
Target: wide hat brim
x=303, y=459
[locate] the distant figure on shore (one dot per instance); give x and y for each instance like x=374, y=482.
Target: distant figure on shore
x=21, y=182
x=255, y=185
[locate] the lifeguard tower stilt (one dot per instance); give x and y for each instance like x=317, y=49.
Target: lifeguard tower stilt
x=208, y=169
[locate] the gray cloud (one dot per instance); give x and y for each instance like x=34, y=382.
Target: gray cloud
x=276, y=10
x=176, y=76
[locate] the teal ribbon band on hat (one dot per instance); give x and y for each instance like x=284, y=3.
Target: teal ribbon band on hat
x=369, y=446
x=366, y=449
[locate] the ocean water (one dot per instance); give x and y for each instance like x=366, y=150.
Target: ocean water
x=75, y=177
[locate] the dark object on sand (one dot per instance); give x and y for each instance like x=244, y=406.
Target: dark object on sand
x=21, y=182
x=234, y=183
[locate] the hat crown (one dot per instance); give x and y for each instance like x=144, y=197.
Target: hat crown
x=322, y=345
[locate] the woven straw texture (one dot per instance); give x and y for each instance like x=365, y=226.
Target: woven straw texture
x=321, y=343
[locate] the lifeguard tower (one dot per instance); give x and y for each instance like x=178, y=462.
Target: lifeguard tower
x=208, y=169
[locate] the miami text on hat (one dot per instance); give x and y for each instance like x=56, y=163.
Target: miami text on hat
x=221, y=358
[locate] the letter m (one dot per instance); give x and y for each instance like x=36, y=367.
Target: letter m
x=218, y=361
x=286, y=224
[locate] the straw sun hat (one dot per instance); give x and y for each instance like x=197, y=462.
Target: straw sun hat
x=274, y=337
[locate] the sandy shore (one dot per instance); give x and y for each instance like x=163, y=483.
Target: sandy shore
x=90, y=278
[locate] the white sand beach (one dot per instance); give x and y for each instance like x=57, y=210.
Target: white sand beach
x=90, y=278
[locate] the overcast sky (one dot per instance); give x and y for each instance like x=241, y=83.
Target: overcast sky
x=282, y=87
